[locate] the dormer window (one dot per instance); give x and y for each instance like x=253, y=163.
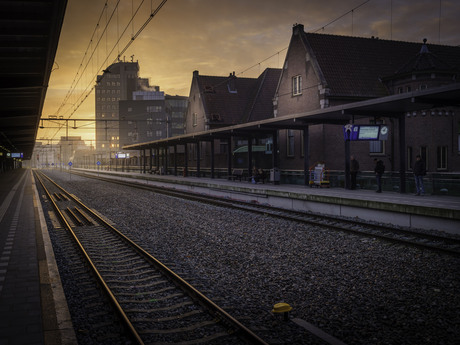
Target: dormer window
x=215, y=117
x=231, y=87
x=209, y=89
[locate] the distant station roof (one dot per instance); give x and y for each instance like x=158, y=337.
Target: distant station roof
x=29, y=38
x=389, y=106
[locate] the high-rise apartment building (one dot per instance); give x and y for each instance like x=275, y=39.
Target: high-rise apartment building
x=118, y=82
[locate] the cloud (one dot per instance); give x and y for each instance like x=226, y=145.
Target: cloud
x=218, y=37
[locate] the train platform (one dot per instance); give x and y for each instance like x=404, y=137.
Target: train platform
x=429, y=212
x=33, y=308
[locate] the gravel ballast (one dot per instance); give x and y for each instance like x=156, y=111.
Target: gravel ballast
x=359, y=290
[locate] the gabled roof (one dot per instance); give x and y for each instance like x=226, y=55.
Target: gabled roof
x=353, y=66
x=232, y=100
x=261, y=105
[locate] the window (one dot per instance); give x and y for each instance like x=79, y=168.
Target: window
x=302, y=145
x=297, y=85
x=409, y=158
x=424, y=155
x=442, y=158
x=195, y=119
x=154, y=108
x=223, y=147
x=149, y=134
x=290, y=142
x=376, y=147
x=150, y=121
x=158, y=133
x=458, y=138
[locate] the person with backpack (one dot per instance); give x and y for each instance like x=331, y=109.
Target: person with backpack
x=419, y=171
x=379, y=170
x=354, y=169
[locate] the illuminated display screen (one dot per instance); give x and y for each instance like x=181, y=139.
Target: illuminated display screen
x=368, y=133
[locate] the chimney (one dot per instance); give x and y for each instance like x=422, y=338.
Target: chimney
x=297, y=29
x=231, y=83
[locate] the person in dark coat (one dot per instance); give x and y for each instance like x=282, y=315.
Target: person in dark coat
x=419, y=171
x=354, y=168
x=379, y=170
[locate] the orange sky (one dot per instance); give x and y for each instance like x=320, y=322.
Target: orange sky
x=216, y=37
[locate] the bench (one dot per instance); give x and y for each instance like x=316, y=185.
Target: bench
x=260, y=176
x=236, y=174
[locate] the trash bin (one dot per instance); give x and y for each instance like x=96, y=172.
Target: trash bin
x=275, y=175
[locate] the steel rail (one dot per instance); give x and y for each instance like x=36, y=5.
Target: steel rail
x=238, y=328
x=112, y=297
x=300, y=217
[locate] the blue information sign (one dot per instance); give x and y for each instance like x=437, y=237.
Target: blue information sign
x=98, y=163
x=365, y=132
x=70, y=164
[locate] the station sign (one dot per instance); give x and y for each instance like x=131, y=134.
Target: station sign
x=365, y=132
x=15, y=155
x=121, y=155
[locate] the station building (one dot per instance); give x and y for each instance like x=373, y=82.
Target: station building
x=218, y=102
x=297, y=115
x=322, y=70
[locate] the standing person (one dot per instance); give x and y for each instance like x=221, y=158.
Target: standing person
x=354, y=168
x=419, y=171
x=379, y=170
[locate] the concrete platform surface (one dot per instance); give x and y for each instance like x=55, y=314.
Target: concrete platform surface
x=33, y=309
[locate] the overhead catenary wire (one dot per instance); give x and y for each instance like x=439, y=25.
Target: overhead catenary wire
x=91, y=86
x=340, y=17
x=88, y=89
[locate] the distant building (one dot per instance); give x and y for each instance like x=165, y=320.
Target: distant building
x=129, y=110
x=176, y=111
x=151, y=115
x=69, y=148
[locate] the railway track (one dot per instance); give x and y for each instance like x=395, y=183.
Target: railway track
x=155, y=305
x=423, y=240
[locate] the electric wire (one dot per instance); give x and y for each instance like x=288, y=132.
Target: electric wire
x=89, y=88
